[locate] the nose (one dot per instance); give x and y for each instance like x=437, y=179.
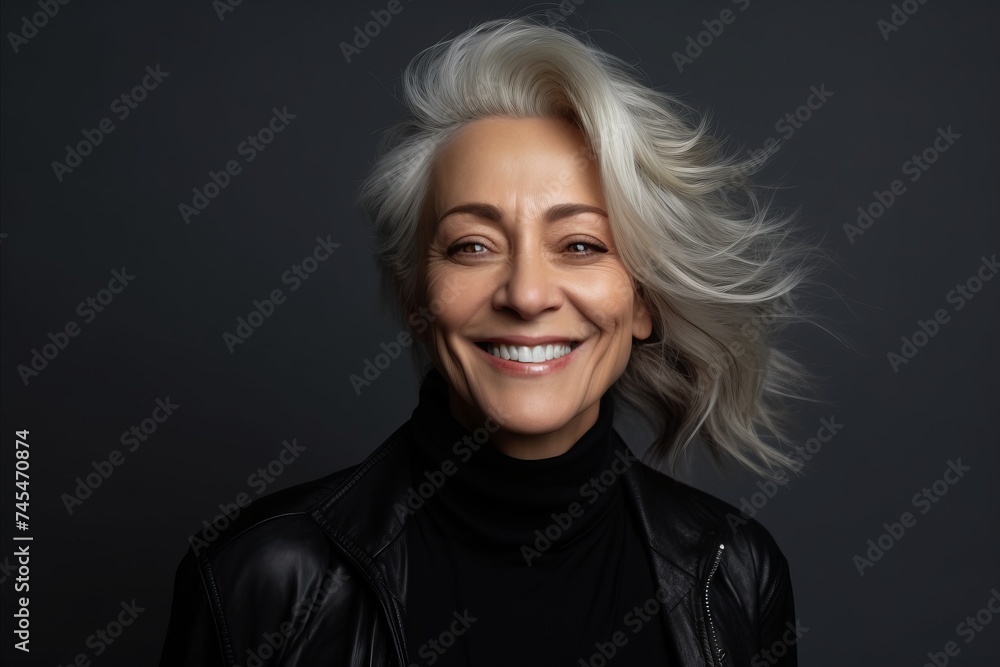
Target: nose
x=529, y=285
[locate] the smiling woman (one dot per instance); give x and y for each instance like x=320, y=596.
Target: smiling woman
x=541, y=278
x=581, y=241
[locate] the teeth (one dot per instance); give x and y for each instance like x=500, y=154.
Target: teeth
x=527, y=355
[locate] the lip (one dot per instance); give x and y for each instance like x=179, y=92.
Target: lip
x=520, y=369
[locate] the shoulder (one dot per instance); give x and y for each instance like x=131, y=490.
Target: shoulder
x=260, y=538
x=733, y=563
x=701, y=510
x=748, y=546
x=276, y=542
x=270, y=553
x=266, y=567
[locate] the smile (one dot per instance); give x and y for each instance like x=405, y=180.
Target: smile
x=528, y=354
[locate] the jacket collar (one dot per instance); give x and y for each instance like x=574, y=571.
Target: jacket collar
x=363, y=519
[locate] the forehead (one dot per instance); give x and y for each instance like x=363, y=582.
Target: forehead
x=496, y=159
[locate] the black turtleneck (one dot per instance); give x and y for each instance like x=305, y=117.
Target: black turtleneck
x=522, y=562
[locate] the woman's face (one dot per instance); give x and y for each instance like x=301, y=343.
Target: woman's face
x=522, y=263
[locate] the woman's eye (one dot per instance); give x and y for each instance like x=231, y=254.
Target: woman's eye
x=464, y=248
x=581, y=248
x=585, y=248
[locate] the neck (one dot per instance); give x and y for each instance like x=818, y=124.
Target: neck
x=526, y=446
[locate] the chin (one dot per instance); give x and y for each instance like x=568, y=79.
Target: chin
x=527, y=415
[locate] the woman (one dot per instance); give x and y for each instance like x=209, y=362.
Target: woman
x=558, y=237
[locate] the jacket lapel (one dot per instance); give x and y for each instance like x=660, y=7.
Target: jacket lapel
x=362, y=519
x=679, y=548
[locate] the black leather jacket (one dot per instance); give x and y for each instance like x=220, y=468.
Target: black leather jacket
x=317, y=574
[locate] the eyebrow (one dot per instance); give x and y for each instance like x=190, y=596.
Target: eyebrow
x=491, y=212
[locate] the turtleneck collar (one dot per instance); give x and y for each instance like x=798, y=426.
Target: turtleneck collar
x=494, y=498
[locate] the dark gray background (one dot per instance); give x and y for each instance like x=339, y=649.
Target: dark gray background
x=162, y=336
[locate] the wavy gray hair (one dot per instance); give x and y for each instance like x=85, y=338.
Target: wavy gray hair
x=712, y=260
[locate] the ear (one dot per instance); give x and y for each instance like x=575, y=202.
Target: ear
x=642, y=318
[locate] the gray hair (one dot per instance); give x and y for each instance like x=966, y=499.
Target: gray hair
x=708, y=255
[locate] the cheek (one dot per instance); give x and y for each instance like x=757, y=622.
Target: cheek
x=605, y=297
x=452, y=300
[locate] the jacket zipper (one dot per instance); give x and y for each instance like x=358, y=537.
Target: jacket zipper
x=718, y=654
